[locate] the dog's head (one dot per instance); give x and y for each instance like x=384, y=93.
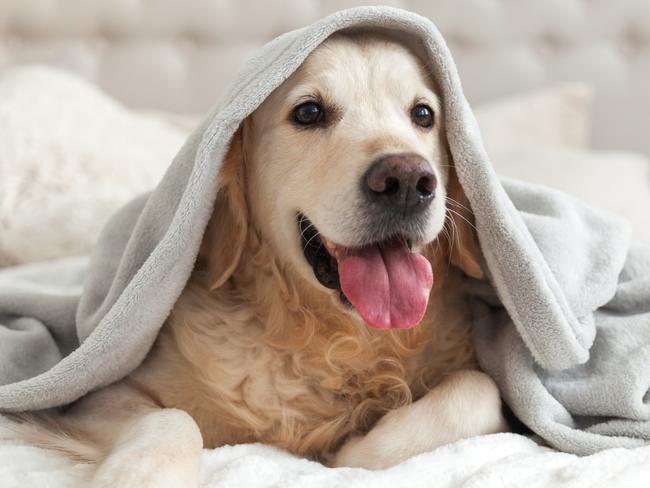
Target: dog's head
x=344, y=170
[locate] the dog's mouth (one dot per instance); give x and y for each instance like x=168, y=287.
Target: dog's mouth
x=386, y=282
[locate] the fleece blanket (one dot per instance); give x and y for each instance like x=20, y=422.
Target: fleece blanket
x=562, y=324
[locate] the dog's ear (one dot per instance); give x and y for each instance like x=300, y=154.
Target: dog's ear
x=465, y=251
x=225, y=235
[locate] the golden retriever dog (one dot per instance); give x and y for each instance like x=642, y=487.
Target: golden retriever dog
x=325, y=314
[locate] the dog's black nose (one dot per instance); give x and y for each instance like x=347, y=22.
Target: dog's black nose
x=400, y=182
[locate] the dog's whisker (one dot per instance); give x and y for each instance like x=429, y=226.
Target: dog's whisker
x=306, y=229
x=450, y=232
x=462, y=217
x=311, y=239
x=457, y=203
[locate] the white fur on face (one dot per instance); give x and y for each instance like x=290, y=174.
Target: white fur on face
x=373, y=84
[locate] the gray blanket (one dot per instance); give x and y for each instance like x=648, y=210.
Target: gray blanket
x=563, y=324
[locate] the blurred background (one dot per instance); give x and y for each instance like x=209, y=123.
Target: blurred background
x=96, y=97
x=178, y=55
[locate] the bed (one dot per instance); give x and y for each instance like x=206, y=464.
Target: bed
x=568, y=98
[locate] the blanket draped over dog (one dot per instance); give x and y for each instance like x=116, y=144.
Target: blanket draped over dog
x=563, y=325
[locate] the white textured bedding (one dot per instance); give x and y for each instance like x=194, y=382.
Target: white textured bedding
x=58, y=219
x=499, y=461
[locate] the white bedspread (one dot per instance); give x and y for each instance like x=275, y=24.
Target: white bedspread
x=499, y=460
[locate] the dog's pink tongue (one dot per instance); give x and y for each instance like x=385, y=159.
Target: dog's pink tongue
x=388, y=286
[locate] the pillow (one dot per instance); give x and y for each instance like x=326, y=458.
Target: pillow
x=617, y=182
x=69, y=156
x=558, y=116
x=541, y=137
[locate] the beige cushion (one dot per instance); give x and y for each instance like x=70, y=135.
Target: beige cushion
x=617, y=182
x=558, y=116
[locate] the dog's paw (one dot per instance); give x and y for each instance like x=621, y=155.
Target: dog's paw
x=161, y=449
x=6, y=430
x=358, y=454
x=136, y=477
x=465, y=405
x=127, y=480
x=145, y=469
x=374, y=451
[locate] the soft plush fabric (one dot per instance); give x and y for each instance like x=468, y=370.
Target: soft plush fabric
x=60, y=135
x=493, y=461
x=562, y=325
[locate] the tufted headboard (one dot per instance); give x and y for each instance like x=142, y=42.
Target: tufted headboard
x=179, y=54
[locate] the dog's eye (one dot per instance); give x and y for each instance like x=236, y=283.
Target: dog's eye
x=422, y=115
x=308, y=113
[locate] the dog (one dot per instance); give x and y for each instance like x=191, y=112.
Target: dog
x=325, y=314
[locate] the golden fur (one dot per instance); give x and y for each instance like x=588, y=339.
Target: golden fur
x=272, y=362
x=255, y=350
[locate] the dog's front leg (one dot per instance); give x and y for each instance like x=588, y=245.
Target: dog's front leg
x=138, y=444
x=160, y=449
x=465, y=404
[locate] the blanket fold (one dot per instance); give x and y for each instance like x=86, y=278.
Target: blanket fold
x=563, y=325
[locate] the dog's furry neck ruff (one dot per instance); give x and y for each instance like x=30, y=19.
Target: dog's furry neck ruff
x=298, y=317
x=355, y=374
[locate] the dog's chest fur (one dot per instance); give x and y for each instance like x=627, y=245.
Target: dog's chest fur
x=262, y=360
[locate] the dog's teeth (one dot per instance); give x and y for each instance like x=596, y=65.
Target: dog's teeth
x=331, y=247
